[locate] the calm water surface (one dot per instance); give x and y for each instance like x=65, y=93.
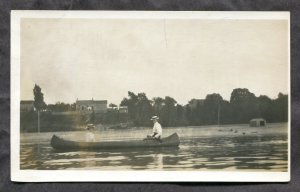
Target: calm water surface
x=235, y=147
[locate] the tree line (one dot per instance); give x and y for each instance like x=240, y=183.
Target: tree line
x=242, y=107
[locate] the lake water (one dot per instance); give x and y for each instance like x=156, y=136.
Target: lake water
x=225, y=148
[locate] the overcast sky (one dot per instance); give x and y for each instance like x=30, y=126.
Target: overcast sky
x=105, y=58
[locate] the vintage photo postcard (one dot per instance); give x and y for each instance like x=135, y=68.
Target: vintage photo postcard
x=150, y=96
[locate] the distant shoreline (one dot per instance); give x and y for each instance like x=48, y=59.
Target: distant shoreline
x=103, y=128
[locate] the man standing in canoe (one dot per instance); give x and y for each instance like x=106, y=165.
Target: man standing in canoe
x=157, y=130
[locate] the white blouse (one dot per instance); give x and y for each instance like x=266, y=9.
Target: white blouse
x=90, y=137
x=157, y=129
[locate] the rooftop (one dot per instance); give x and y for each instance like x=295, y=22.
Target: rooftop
x=91, y=101
x=258, y=119
x=27, y=102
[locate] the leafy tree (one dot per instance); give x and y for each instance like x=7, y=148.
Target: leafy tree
x=265, y=105
x=281, y=108
x=158, y=104
x=240, y=95
x=131, y=104
x=139, y=108
x=188, y=114
x=180, y=116
x=212, y=106
x=144, y=110
x=168, y=114
x=113, y=106
x=196, y=116
x=61, y=107
x=244, y=105
x=226, y=114
x=38, y=103
x=73, y=107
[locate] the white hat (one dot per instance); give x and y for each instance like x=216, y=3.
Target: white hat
x=90, y=126
x=154, y=117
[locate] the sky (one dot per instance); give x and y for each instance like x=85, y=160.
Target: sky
x=103, y=59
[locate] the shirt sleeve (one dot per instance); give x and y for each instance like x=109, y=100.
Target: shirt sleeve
x=159, y=129
x=154, y=128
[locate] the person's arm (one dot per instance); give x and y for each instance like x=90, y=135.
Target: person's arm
x=159, y=130
x=154, y=132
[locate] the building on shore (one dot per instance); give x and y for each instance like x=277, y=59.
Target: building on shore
x=26, y=105
x=123, y=109
x=258, y=122
x=86, y=106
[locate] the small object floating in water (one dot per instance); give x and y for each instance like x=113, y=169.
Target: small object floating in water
x=220, y=130
x=235, y=131
x=62, y=144
x=231, y=130
x=244, y=133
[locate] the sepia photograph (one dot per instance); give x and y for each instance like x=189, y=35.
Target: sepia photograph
x=150, y=96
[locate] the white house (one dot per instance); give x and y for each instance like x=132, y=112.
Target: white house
x=123, y=109
x=98, y=106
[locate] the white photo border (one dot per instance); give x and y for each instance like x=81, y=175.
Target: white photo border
x=129, y=176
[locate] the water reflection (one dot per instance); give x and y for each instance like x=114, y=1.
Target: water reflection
x=255, y=152
x=159, y=161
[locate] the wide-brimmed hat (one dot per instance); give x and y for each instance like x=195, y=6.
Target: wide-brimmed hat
x=154, y=117
x=90, y=127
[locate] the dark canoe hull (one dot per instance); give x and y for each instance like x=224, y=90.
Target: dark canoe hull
x=61, y=144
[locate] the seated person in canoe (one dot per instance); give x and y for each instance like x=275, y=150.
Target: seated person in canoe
x=157, y=130
x=90, y=135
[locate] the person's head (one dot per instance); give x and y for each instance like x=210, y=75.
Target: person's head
x=154, y=119
x=90, y=127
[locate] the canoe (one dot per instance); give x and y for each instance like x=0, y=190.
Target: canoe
x=62, y=144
